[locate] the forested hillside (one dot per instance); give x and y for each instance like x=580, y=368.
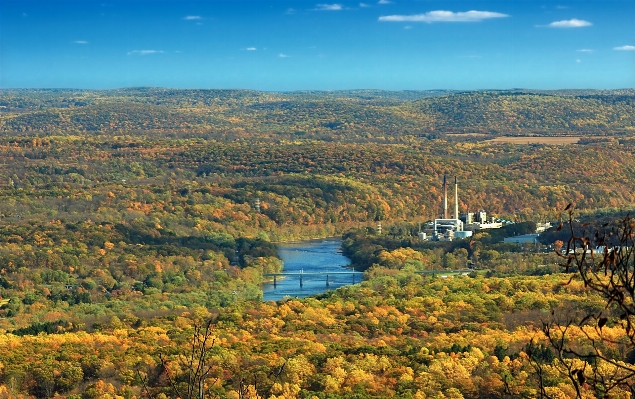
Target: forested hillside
x=537, y=113
x=305, y=183
x=362, y=114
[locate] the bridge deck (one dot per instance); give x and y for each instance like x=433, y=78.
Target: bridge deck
x=309, y=274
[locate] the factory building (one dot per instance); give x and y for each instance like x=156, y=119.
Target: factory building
x=447, y=229
x=460, y=225
x=540, y=227
x=479, y=221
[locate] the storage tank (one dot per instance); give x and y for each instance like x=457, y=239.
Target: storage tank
x=462, y=234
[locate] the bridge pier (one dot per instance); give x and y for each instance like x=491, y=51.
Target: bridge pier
x=301, y=282
x=275, y=281
x=327, y=280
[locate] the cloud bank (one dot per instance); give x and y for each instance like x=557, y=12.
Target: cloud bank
x=444, y=16
x=625, y=48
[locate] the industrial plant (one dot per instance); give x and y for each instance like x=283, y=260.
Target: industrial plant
x=461, y=225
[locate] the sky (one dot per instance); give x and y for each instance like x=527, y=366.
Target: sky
x=284, y=45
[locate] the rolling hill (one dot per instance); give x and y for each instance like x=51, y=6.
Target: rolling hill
x=354, y=114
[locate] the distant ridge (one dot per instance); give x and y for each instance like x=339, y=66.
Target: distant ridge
x=369, y=94
x=343, y=114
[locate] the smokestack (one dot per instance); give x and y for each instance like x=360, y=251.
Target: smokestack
x=456, y=199
x=445, y=197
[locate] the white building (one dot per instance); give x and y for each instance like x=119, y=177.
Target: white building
x=540, y=227
x=479, y=221
x=523, y=239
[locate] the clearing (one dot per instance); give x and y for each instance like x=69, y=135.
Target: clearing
x=536, y=140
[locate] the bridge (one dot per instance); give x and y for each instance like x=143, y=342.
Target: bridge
x=460, y=272
x=310, y=274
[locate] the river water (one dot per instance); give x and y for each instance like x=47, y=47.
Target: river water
x=311, y=256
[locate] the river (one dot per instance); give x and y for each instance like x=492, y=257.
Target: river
x=311, y=256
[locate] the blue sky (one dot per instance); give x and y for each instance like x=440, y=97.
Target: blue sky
x=318, y=45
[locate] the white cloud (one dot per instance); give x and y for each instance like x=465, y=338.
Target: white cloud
x=562, y=8
x=364, y=5
x=570, y=23
x=585, y=50
x=290, y=11
x=328, y=7
x=578, y=61
x=145, y=52
x=80, y=42
x=444, y=16
x=283, y=55
x=625, y=48
x=192, y=18
x=251, y=49
x=384, y=2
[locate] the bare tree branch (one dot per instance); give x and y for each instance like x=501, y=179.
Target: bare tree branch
x=611, y=275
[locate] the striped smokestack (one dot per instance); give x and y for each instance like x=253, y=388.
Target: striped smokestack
x=456, y=199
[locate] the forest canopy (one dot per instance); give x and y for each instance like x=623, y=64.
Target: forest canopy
x=129, y=219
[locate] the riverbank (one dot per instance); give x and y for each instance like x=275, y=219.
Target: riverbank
x=300, y=240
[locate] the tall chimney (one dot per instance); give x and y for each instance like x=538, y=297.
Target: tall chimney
x=445, y=197
x=456, y=199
